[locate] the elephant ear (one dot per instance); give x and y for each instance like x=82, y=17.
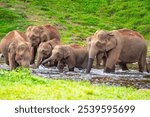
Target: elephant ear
x=88, y=39
x=44, y=38
x=66, y=52
x=41, y=29
x=44, y=34
x=111, y=41
x=53, y=42
x=12, y=47
x=29, y=29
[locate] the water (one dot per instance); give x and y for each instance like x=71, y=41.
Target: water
x=96, y=76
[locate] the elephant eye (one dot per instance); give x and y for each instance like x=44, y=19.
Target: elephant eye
x=44, y=38
x=43, y=51
x=98, y=44
x=33, y=36
x=57, y=54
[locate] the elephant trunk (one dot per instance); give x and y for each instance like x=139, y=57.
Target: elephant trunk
x=46, y=60
x=89, y=66
x=39, y=61
x=92, y=54
x=25, y=64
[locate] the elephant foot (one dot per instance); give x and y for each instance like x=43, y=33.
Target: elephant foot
x=33, y=66
x=108, y=70
x=98, y=65
x=80, y=68
x=123, y=66
x=71, y=69
x=125, y=69
x=61, y=70
x=141, y=70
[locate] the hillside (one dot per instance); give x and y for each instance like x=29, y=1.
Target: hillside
x=76, y=19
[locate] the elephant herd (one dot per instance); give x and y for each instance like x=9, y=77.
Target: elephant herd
x=121, y=47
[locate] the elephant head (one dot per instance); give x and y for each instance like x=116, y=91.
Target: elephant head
x=19, y=53
x=36, y=35
x=100, y=42
x=58, y=53
x=45, y=50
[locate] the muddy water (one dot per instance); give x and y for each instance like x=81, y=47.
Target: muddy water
x=97, y=76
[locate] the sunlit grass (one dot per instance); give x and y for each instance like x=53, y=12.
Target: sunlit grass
x=20, y=84
x=76, y=19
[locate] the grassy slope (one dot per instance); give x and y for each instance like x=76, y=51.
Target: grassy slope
x=75, y=19
x=19, y=84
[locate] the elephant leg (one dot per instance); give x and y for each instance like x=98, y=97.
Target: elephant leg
x=60, y=66
x=99, y=59
x=104, y=60
x=11, y=59
x=33, y=50
x=112, y=59
x=109, y=70
x=7, y=61
x=71, y=63
x=113, y=68
x=142, y=62
x=123, y=66
x=71, y=69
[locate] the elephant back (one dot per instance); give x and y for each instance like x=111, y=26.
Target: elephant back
x=53, y=32
x=131, y=33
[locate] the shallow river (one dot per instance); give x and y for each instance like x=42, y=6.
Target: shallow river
x=97, y=76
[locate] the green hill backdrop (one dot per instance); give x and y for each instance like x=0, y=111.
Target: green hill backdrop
x=76, y=19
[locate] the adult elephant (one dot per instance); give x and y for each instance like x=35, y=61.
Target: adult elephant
x=38, y=34
x=121, y=46
x=16, y=49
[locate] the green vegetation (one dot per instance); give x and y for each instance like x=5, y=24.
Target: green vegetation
x=19, y=84
x=75, y=20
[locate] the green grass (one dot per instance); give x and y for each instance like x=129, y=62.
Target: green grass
x=76, y=19
x=20, y=84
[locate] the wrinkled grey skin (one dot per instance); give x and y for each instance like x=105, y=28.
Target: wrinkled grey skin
x=122, y=46
x=70, y=55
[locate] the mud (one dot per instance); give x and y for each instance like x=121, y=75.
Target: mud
x=97, y=76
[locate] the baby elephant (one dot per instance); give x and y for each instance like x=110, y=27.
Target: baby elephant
x=16, y=49
x=71, y=55
x=45, y=50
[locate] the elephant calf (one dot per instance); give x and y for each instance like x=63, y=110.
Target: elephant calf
x=16, y=49
x=70, y=55
x=45, y=50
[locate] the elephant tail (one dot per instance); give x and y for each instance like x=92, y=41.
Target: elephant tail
x=147, y=69
x=1, y=55
x=0, y=48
